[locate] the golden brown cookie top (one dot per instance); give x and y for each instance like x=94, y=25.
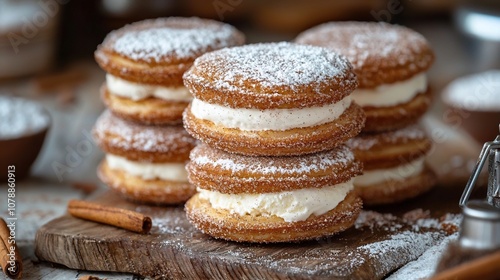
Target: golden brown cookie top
x=172, y=40
x=380, y=53
x=142, y=142
x=370, y=141
x=270, y=76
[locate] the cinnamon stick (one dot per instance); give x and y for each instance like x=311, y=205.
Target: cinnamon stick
x=10, y=259
x=117, y=217
x=483, y=268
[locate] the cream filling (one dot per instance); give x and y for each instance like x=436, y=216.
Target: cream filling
x=271, y=119
x=391, y=94
x=398, y=173
x=292, y=206
x=136, y=91
x=149, y=171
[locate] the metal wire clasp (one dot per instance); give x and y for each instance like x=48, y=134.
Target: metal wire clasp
x=491, y=151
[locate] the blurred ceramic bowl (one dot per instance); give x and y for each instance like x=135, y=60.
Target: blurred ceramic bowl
x=23, y=127
x=28, y=37
x=479, y=22
x=474, y=103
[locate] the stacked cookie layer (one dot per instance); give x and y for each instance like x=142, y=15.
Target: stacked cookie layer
x=274, y=118
x=146, y=146
x=391, y=63
x=144, y=163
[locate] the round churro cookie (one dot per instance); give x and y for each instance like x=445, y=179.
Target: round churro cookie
x=145, y=62
x=216, y=170
x=272, y=99
x=147, y=189
x=221, y=223
x=142, y=142
x=152, y=111
x=394, y=188
x=390, y=62
x=272, y=199
x=394, y=165
x=144, y=163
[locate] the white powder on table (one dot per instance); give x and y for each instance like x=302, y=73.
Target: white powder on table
x=20, y=117
x=425, y=265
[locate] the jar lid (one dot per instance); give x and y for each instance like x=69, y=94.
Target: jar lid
x=481, y=210
x=480, y=228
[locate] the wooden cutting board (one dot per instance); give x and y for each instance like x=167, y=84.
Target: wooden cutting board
x=381, y=241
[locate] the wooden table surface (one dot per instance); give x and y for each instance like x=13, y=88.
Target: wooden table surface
x=44, y=195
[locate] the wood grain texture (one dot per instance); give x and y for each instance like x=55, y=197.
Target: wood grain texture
x=176, y=250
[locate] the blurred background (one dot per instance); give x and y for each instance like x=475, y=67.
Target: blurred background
x=46, y=55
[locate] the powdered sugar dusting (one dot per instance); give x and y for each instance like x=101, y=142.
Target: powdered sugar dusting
x=408, y=245
x=425, y=266
x=267, y=66
x=371, y=250
x=477, y=92
x=379, y=250
x=360, y=41
x=20, y=117
x=131, y=136
x=418, y=220
x=366, y=141
x=373, y=47
x=173, y=38
x=419, y=238
x=340, y=157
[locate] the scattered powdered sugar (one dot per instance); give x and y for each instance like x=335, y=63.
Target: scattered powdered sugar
x=367, y=250
x=170, y=220
x=20, y=117
x=407, y=244
x=417, y=219
x=477, y=92
x=385, y=248
x=173, y=38
x=371, y=220
x=132, y=136
x=366, y=141
x=204, y=155
x=168, y=224
x=271, y=65
x=425, y=239
x=425, y=266
x=372, y=48
x=361, y=41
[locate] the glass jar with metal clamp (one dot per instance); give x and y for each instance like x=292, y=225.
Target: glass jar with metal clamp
x=480, y=228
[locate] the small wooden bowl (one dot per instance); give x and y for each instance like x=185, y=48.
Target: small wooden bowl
x=21, y=152
x=473, y=103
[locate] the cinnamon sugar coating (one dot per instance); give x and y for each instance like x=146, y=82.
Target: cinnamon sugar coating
x=152, y=111
x=393, y=191
x=390, y=149
x=380, y=53
x=145, y=191
x=215, y=170
x=138, y=142
x=159, y=51
x=220, y=223
x=380, y=119
x=271, y=76
x=295, y=141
